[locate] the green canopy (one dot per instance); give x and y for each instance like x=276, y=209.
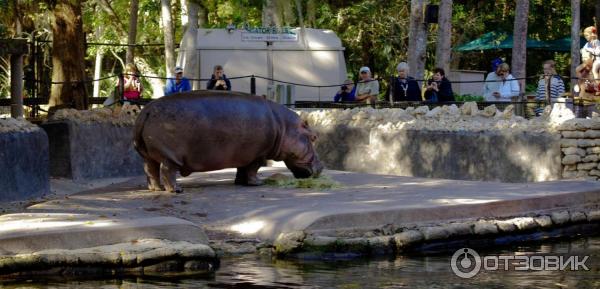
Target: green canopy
x=562, y=45
x=497, y=40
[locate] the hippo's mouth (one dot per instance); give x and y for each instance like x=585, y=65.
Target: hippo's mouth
x=306, y=170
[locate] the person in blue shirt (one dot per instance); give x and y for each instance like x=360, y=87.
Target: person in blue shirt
x=177, y=84
x=346, y=93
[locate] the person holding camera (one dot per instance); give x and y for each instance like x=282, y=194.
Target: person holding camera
x=346, y=93
x=218, y=81
x=439, y=88
x=131, y=87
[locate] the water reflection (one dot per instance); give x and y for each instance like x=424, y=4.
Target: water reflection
x=402, y=272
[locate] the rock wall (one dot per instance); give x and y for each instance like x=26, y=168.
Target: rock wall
x=92, y=150
x=23, y=161
x=447, y=142
x=581, y=148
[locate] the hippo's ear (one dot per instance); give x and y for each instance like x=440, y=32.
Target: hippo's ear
x=304, y=124
x=307, y=131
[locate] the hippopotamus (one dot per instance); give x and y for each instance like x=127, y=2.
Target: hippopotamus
x=201, y=131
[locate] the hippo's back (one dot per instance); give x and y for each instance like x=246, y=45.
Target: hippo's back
x=207, y=130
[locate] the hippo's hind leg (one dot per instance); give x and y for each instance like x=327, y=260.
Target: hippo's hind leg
x=168, y=171
x=152, y=169
x=247, y=175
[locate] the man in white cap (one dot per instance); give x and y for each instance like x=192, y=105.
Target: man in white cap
x=177, y=84
x=367, y=89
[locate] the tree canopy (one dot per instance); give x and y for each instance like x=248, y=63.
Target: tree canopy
x=374, y=32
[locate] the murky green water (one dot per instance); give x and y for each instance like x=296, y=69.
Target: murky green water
x=402, y=272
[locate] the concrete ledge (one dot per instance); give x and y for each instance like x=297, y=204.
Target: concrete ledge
x=436, y=236
x=83, y=151
x=32, y=232
x=23, y=165
x=142, y=257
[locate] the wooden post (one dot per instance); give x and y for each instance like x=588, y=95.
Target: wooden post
x=575, y=54
x=16, y=85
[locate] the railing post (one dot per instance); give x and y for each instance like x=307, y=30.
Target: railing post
x=16, y=85
x=391, y=96
x=121, y=87
x=253, y=85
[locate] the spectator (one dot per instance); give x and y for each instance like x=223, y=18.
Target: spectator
x=346, y=93
x=592, y=50
x=132, y=87
x=586, y=88
x=218, y=81
x=500, y=85
x=367, y=88
x=550, y=86
x=439, y=87
x=404, y=87
x=177, y=84
x=496, y=62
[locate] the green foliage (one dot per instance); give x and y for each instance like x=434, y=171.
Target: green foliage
x=468, y=97
x=322, y=182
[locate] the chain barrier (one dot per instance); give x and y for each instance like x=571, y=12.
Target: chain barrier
x=283, y=81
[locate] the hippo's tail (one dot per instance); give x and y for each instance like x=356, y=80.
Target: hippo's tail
x=138, y=140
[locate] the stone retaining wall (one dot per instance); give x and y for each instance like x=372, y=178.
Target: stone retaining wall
x=581, y=148
x=23, y=164
x=448, y=142
x=92, y=150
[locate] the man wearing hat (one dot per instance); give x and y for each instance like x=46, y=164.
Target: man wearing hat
x=177, y=84
x=368, y=88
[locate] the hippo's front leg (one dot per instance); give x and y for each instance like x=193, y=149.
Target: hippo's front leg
x=168, y=171
x=247, y=175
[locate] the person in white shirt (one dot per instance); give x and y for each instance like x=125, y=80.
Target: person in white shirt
x=500, y=85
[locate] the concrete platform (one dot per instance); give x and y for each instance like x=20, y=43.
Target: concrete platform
x=364, y=202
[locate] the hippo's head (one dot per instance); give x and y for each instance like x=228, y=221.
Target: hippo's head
x=299, y=155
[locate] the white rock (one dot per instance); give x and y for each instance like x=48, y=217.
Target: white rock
x=560, y=218
x=484, y=228
x=574, y=151
x=590, y=158
x=578, y=217
x=408, y=237
x=571, y=159
x=586, y=166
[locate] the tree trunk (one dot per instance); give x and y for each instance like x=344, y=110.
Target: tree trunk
x=597, y=16
x=184, y=13
x=519, y=51
x=444, y=37
x=98, y=65
x=311, y=14
x=133, y=16
x=68, y=56
x=167, y=23
x=417, y=39
x=270, y=15
x=191, y=64
x=202, y=15
x=575, y=27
